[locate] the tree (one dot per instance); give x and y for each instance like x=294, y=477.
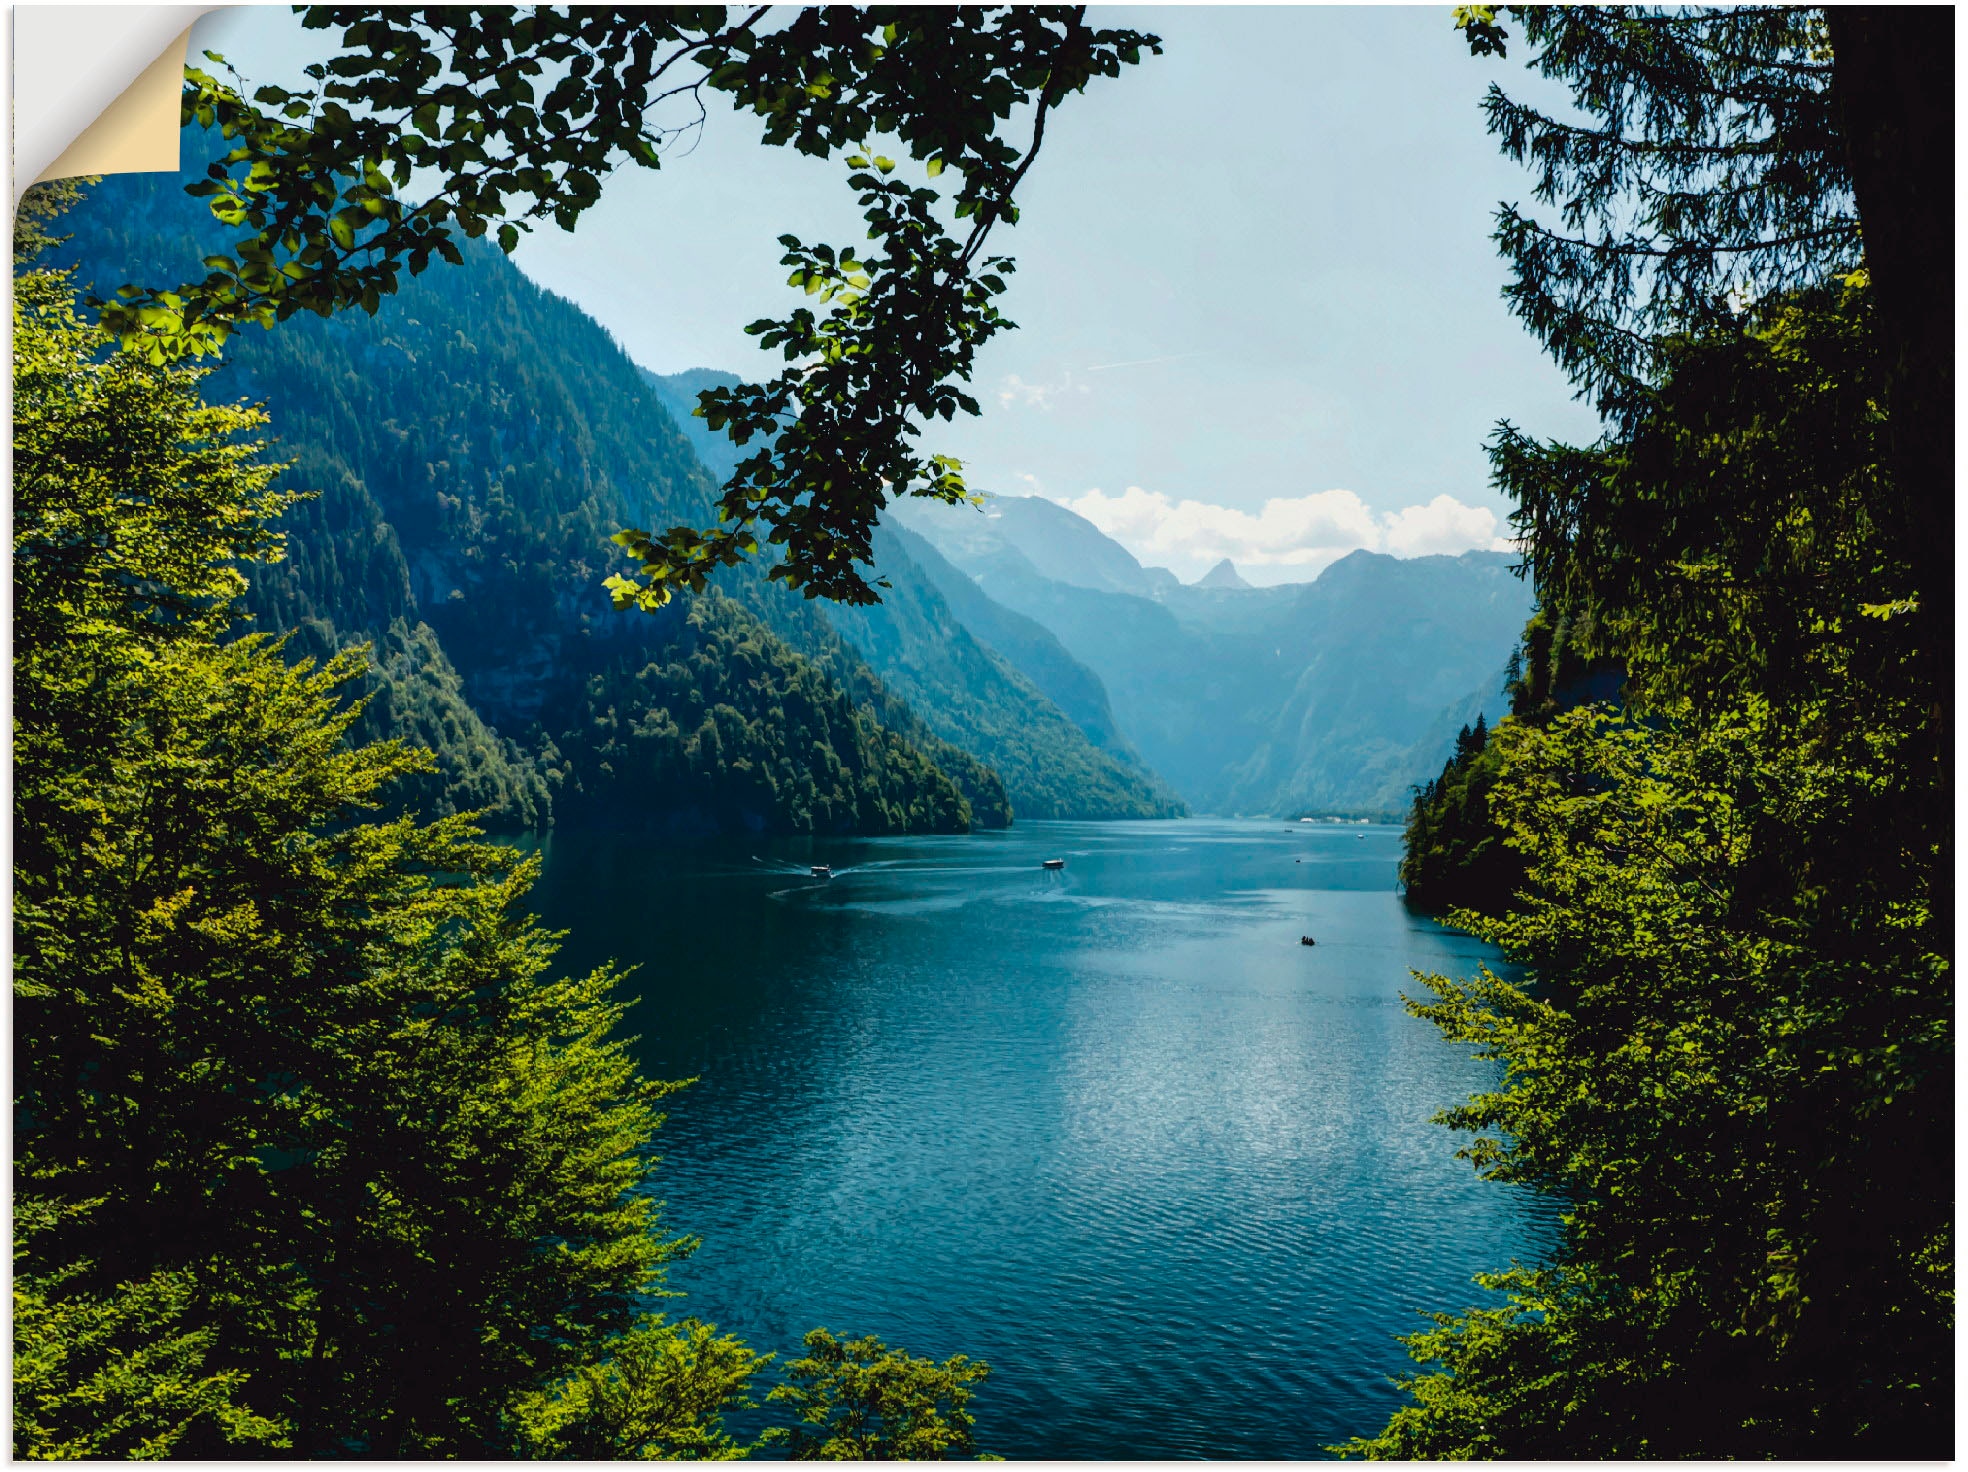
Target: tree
x=312, y=1148
x=1452, y=854
x=120, y=1373
x=1731, y=1055
x=1734, y=158
x=313, y=182
x=314, y=1153
x=1893, y=79
x=860, y=1401
x=1737, y=1086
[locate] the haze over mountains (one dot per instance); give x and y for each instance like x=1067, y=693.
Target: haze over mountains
x=1326, y=696
x=476, y=442
x=1330, y=696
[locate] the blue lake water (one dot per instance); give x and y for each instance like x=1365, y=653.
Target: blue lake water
x=1110, y=1128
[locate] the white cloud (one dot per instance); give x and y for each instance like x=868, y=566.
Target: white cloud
x=1443, y=525
x=1291, y=539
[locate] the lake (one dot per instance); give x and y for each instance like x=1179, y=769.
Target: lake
x=1112, y=1128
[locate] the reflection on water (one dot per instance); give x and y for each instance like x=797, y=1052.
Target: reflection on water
x=1108, y=1126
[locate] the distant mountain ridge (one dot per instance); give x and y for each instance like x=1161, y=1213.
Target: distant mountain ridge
x=1223, y=575
x=979, y=674
x=1330, y=696
x=1336, y=695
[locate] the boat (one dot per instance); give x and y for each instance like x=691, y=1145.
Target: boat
x=1053, y=864
x=823, y=871
x=1306, y=940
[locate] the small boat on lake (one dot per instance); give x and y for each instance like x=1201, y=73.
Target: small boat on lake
x=823, y=871
x=1053, y=864
x=1306, y=940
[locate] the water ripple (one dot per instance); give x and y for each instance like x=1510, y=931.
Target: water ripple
x=1110, y=1128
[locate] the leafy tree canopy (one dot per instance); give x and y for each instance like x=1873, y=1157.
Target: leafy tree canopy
x=857, y=1400
x=517, y=116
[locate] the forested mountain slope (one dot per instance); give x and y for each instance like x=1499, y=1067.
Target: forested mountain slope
x=967, y=691
x=976, y=672
x=475, y=444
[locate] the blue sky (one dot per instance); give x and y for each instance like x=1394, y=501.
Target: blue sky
x=1259, y=306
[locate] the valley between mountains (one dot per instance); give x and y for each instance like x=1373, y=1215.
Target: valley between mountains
x=477, y=441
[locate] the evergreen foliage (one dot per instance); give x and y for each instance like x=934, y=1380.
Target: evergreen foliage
x=1708, y=169
x=799, y=756
x=1452, y=853
x=1731, y=1055
x=312, y=1151
x=411, y=693
x=804, y=627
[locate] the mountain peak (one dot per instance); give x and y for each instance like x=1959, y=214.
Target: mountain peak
x=1059, y=543
x=1223, y=575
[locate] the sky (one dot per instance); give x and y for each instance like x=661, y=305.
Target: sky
x=1260, y=311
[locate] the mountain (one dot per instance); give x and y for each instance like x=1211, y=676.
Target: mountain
x=1026, y=645
x=678, y=393
x=1058, y=544
x=1395, y=654
x=1223, y=575
x=968, y=691
x=977, y=673
x=1332, y=696
x=474, y=444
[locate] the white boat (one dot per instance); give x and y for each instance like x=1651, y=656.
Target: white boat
x=823, y=871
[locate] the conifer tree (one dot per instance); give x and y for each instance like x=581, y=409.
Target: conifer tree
x=1731, y=1057
x=313, y=1149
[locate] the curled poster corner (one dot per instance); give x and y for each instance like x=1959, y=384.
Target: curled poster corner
x=97, y=88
